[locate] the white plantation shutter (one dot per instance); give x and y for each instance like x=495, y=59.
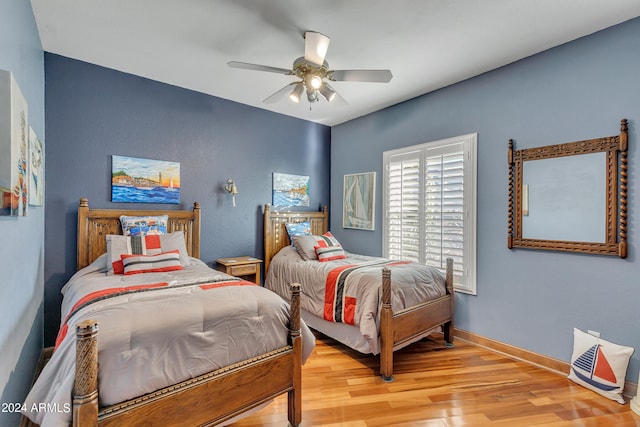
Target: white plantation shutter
x=404, y=209
x=430, y=206
x=444, y=213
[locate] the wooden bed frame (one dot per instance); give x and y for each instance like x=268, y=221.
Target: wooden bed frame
x=209, y=399
x=396, y=329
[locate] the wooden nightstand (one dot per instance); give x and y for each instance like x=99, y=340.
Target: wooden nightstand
x=241, y=266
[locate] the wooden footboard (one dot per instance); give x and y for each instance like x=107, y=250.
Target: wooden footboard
x=206, y=400
x=397, y=329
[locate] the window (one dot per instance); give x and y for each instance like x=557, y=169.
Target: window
x=429, y=200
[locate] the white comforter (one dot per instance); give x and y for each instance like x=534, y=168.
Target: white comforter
x=359, y=297
x=149, y=340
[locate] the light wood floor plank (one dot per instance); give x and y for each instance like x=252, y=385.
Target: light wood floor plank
x=437, y=387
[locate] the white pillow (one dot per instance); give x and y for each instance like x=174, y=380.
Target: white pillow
x=173, y=241
x=305, y=246
x=599, y=365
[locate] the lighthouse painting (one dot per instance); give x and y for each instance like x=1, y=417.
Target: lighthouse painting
x=144, y=180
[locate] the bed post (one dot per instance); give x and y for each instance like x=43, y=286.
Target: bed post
x=267, y=237
x=294, y=397
x=83, y=249
x=85, y=389
x=195, y=245
x=325, y=218
x=386, y=329
x=448, y=327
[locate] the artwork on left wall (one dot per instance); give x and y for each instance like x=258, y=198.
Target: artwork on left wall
x=14, y=147
x=36, y=170
x=144, y=180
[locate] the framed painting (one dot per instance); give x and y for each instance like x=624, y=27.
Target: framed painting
x=358, y=202
x=14, y=147
x=136, y=180
x=36, y=170
x=290, y=190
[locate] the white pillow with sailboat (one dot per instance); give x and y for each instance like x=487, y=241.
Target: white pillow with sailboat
x=599, y=365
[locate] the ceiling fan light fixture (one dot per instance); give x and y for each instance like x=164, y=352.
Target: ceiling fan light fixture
x=315, y=81
x=312, y=71
x=327, y=92
x=312, y=96
x=296, y=93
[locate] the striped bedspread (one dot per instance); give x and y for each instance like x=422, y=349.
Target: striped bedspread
x=158, y=329
x=342, y=287
x=350, y=290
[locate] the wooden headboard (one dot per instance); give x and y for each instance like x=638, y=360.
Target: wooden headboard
x=95, y=224
x=275, y=232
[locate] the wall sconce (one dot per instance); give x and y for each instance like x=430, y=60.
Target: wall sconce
x=231, y=189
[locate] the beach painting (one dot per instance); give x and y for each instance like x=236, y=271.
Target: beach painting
x=290, y=190
x=136, y=180
x=359, y=201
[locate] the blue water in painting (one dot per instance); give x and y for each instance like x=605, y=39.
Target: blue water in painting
x=282, y=198
x=154, y=195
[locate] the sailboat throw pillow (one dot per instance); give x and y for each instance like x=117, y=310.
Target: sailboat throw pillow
x=599, y=365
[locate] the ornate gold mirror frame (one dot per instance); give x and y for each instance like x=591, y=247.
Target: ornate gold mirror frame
x=615, y=149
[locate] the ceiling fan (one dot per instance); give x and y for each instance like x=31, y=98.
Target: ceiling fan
x=313, y=72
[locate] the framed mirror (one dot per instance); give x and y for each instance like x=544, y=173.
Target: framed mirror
x=570, y=197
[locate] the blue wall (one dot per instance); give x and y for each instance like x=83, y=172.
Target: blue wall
x=21, y=239
x=530, y=299
x=95, y=112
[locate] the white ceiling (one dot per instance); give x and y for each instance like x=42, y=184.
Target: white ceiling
x=427, y=44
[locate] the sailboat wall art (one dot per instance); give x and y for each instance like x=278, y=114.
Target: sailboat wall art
x=359, y=201
x=136, y=180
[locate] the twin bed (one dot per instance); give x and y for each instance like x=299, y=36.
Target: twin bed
x=181, y=346
x=344, y=299
x=188, y=345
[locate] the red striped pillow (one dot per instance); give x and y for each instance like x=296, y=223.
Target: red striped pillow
x=330, y=253
x=329, y=248
x=165, y=261
x=327, y=239
x=143, y=245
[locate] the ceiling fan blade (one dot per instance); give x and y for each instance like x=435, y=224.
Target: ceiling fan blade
x=339, y=101
x=315, y=47
x=374, y=76
x=256, y=67
x=280, y=94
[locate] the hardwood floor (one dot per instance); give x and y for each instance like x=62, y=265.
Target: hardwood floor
x=438, y=387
